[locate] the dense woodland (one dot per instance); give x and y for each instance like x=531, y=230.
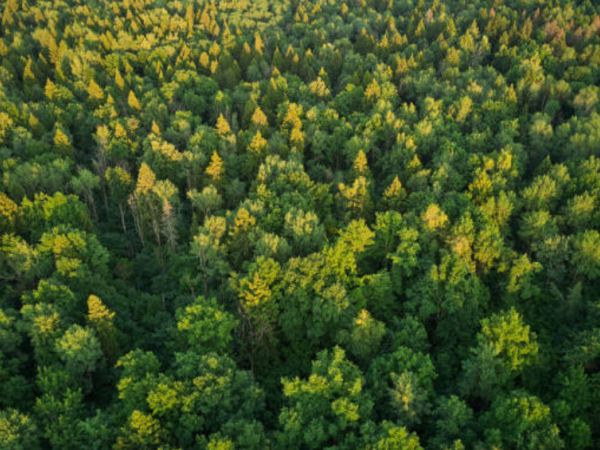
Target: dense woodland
x=299, y=224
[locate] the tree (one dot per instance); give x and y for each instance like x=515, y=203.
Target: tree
x=394, y=195
x=303, y=231
x=315, y=287
x=392, y=437
x=364, y=337
x=121, y=187
x=206, y=201
x=101, y=319
x=484, y=374
x=259, y=120
x=258, y=145
x=139, y=371
x=402, y=385
x=258, y=295
x=62, y=143
x=215, y=169
x=46, y=212
x=85, y=185
x=521, y=421
x=152, y=204
x=223, y=128
x=80, y=350
x=356, y=198
x=142, y=431
x=208, y=247
x=434, y=218
x=361, y=164
x=586, y=99
x=327, y=407
x=454, y=420
x=95, y=92
x=510, y=339
x=586, y=254
x=205, y=326
x=60, y=413
x=17, y=431
x=319, y=88
x=506, y=346
x=43, y=325
x=203, y=395
x=8, y=212
x=133, y=102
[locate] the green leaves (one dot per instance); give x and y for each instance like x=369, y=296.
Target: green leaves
x=506, y=346
x=393, y=437
x=522, y=421
x=586, y=254
x=364, y=337
x=402, y=385
x=205, y=326
x=510, y=339
x=327, y=407
x=305, y=191
x=17, y=431
x=80, y=350
x=202, y=395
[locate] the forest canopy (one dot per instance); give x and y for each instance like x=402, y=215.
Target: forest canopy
x=299, y=224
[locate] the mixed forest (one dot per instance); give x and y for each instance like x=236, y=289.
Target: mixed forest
x=299, y=224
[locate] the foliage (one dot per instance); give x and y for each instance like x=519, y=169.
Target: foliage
x=308, y=224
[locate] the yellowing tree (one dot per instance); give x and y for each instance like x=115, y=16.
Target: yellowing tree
x=258, y=43
x=62, y=143
x=297, y=139
x=258, y=145
x=155, y=128
x=205, y=61
x=258, y=294
x=51, y=91
x=28, y=76
x=434, y=217
x=94, y=91
x=360, y=163
x=319, y=88
x=259, y=119
x=356, y=198
x=223, y=127
x=394, y=189
x=146, y=179
x=133, y=101
x=119, y=81
x=8, y=211
x=243, y=222
x=215, y=169
x=101, y=319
